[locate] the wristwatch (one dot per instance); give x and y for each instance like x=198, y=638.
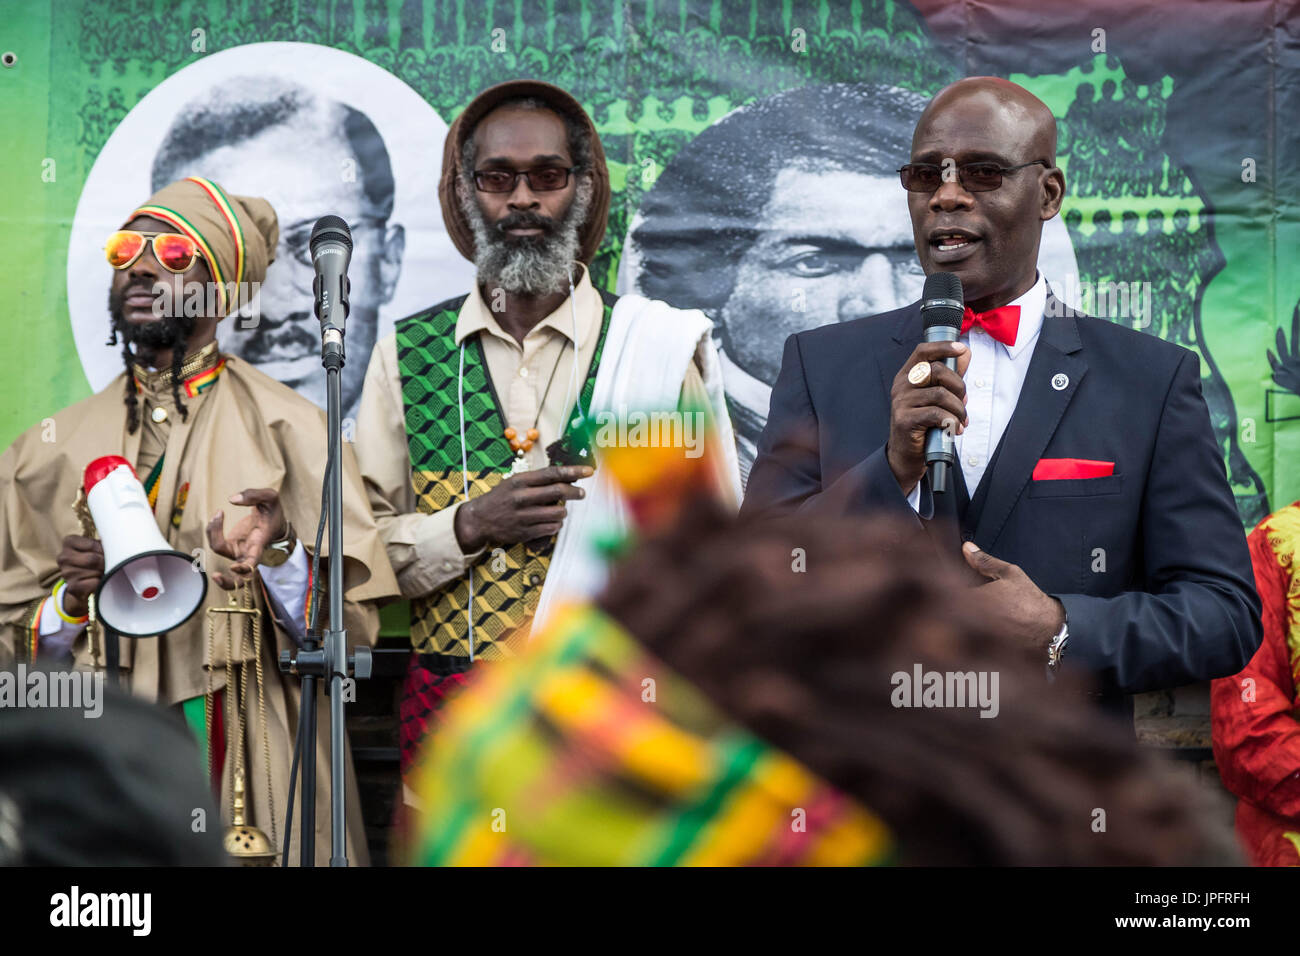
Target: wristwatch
x=1056, y=649
x=278, y=551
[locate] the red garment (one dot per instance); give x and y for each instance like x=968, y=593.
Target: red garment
x=1255, y=729
x=420, y=710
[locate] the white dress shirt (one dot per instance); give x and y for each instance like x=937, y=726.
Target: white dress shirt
x=286, y=585
x=993, y=381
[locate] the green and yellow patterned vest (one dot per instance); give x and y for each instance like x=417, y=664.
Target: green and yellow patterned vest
x=507, y=581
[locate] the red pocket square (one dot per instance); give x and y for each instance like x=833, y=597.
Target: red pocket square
x=1055, y=469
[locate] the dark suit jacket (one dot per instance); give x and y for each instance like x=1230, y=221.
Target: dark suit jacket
x=1176, y=600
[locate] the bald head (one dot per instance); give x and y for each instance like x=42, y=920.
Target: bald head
x=988, y=237
x=993, y=94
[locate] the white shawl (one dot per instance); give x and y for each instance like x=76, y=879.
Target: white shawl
x=642, y=365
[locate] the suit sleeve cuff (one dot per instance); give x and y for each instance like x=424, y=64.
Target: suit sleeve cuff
x=921, y=498
x=1084, y=652
x=882, y=489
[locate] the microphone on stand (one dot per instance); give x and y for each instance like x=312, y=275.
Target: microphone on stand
x=942, y=307
x=331, y=251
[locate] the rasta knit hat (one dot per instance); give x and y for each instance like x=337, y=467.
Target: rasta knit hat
x=592, y=231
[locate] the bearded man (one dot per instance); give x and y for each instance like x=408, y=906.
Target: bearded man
x=197, y=426
x=475, y=432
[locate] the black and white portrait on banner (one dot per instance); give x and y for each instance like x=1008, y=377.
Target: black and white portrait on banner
x=784, y=215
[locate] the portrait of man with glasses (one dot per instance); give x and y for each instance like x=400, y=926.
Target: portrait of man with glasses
x=311, y=156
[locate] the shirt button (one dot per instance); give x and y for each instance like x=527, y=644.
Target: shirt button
x=979, y=383
x=534, y=579
x=523, y=371
x=159, y=414
x=446, y=565
x=972, y=461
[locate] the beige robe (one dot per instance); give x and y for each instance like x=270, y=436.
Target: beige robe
x=245, y=431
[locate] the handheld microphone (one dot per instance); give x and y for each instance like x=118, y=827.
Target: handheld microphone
x=331, y=251
x=942, y=307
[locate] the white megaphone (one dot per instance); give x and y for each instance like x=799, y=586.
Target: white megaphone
x=148, y=587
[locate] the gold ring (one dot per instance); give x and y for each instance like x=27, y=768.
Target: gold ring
x=919, y=374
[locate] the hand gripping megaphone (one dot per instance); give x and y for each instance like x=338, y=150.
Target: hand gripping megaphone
x=148, y=587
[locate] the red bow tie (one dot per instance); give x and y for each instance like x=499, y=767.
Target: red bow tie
x=1001, y=323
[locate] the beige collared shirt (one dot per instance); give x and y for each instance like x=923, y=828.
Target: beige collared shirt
x=423, y=549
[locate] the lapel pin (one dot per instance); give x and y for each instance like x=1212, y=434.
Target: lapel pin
x=1060, y=381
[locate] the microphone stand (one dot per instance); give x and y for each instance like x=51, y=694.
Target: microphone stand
x=332, y=661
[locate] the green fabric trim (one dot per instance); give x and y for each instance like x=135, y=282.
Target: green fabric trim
x=154, y=474
x=196, y=718
x=739, y=762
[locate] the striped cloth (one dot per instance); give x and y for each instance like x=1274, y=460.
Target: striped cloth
x=588, y=751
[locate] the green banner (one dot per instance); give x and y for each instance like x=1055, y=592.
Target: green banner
x=752, y=148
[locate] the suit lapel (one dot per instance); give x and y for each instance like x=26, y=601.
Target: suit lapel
x=1038, y=413
x=906, y=336
x=961, y=494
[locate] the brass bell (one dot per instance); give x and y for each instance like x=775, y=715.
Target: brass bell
x=246, y=844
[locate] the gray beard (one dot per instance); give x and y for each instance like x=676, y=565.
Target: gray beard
x=530, y=267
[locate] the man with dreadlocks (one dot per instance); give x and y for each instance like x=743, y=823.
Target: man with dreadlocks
x=203, y=431
x=476, y=413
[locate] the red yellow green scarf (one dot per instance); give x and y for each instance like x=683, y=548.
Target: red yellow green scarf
x=589, y=751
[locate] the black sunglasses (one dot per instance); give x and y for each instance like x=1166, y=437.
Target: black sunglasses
x=974, y=177
x=541, y=179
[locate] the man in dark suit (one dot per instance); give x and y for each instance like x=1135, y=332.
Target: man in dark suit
x=1089, y=496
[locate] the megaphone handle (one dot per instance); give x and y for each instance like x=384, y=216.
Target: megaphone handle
x=112, y=653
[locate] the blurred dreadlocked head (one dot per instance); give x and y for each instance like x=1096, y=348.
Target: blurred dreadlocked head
x=802, y=630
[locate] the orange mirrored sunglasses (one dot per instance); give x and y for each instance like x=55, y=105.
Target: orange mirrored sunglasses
x=174, y=252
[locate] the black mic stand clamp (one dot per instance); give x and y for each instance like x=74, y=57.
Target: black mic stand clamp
x=310, y=661
x=310, y=664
